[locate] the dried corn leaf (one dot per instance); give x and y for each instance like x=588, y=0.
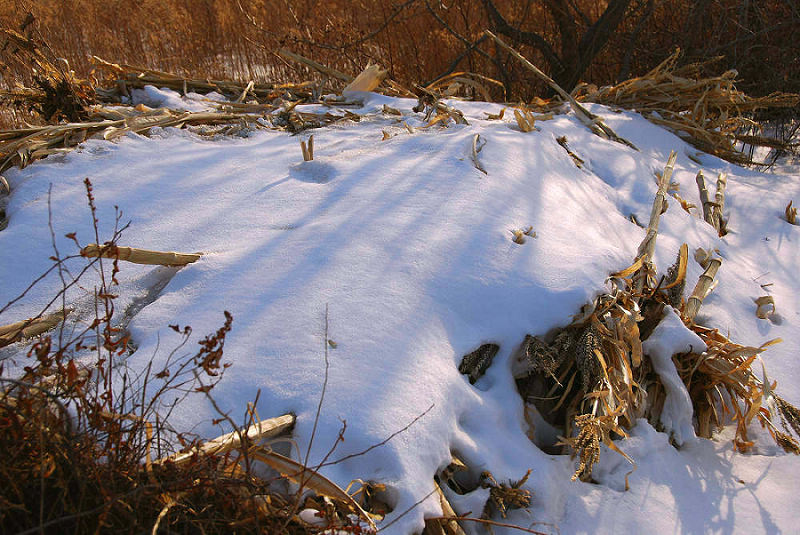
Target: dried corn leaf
x=495, y=116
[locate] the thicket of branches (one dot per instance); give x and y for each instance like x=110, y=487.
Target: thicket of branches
x=421, y=40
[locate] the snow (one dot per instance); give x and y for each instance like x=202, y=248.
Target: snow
x=669, y=338
x=409, y=248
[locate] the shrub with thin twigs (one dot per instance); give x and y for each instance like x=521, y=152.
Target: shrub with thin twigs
x=79, y=435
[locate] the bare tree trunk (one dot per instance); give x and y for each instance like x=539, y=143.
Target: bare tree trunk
x=577, y=52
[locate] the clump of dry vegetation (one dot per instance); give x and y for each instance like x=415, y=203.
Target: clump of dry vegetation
x=593, y=380
x=708, y=111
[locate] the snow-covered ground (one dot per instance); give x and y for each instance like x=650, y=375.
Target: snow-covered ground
x=410, y=248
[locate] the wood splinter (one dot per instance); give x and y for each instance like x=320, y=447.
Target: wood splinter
x=139, y=256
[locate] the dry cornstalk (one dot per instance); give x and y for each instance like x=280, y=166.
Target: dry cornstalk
x=309, y=478
x=713, y=210
x=368, y=80
x=130, y=76
x=447, y=523
x=763, y=303
x=139, y=256
x=791, y=214
x=592, y=121
x=476, y=148
x=308, y=150
x=31, y=327
x=244, y=93
x=260, y=430
x=709, y=112
x=22, y=146
x=648, y=245
x=702, y=289
x=719, y=206
x=562, y=140
x=704, y=200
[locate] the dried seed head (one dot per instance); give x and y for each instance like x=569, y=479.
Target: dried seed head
x=585, y=357
x=790, y=415
x=786, y=442
x=587, y=444
x=476, y=363
x=541, y=357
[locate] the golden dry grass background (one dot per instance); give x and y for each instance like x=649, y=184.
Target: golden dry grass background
x=417, y=40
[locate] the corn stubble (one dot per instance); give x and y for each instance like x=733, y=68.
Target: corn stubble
x=592, y=380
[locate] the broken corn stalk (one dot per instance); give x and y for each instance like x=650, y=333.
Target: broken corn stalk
x=139, y=256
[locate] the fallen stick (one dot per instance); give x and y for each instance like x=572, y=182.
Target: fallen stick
x=592, y=121
x=139, y=256
x=221, y=445
x=30, y=327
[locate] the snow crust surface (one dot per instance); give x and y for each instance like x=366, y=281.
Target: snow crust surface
x=409, y=247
